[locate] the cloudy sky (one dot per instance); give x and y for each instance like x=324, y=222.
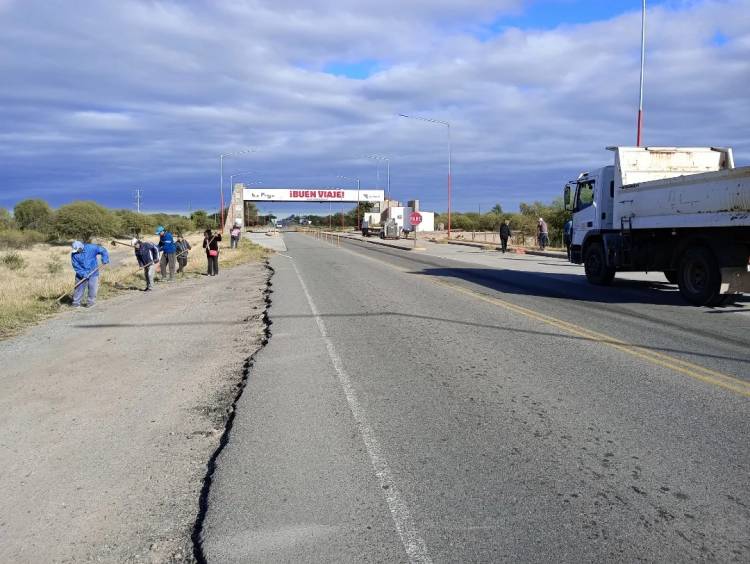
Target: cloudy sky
x=99, y=97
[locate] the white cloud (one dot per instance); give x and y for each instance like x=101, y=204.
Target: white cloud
x=157, y=89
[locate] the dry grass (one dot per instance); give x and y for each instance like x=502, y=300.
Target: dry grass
x=30, y=293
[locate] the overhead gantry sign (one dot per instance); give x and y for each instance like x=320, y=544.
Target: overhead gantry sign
x=241, y=194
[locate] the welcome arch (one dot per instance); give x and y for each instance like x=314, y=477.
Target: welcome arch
x=242, y=194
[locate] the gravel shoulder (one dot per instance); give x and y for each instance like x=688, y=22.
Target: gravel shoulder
x=108, y=417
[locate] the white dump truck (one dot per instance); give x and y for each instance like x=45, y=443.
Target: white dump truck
x=681, y=211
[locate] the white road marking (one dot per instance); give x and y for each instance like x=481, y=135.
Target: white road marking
x=414, y=544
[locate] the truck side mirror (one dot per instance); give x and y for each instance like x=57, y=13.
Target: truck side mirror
x=566, y=199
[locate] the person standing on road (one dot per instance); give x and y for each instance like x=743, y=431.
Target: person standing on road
x=542, y=234
x=147, y=255
x=168, y=252
x=235, y=233
x=568, y=235
x=505, y=234
x=84, y=260
x=211, y=244
x=183, y=250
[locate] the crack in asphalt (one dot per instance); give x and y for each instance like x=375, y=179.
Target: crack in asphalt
x=196, y=535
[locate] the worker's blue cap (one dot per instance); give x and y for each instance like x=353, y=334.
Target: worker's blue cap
x=77, y=246
x=159, y=230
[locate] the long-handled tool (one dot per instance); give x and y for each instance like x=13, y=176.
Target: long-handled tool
x=81, y=281
x=115, y=243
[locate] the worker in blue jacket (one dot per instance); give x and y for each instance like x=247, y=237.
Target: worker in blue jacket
x=168, y=252
x=84, y=259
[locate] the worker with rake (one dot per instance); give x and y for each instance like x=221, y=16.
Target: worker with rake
x=84, y=260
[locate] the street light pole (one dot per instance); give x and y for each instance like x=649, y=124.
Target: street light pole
x=639, y=137
x=221, y=181
x=388, y=173
x=357, y=181
x=450, y=158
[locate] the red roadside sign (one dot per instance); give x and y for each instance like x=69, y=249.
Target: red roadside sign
x=415, y=218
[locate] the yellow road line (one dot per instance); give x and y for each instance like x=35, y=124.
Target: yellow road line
x=694, y=371
x=684, y=367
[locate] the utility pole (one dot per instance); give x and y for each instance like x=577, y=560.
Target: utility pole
x=138, y=197
x=639, y=135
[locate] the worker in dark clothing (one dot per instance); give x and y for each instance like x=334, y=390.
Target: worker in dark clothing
x=542, y=234
x=168, y=252
x=147, y=255
x=505, y=234
x=568, y=235
x=211, y=244
x=183, y=249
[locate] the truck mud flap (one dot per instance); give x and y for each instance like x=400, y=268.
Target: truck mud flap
x=735, y=280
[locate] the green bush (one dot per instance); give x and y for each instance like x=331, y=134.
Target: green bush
x=6, y=220
x=32, y=214
x=13, y=261
x=17, y=239
x=84, y=220
x=134, y=224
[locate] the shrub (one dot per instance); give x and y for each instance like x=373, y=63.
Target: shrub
x=84, y=220
x=134, y=224
x=53, y=264
x=13, y=261
x=17, y=239
x=6, y=221
x=32, y=214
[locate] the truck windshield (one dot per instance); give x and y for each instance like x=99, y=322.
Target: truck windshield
x=585, y=195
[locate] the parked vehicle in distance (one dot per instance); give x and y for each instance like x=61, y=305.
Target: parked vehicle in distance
x=682, y=211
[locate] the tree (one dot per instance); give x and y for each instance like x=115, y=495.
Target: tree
x=133, y=224
x=497, y=209
x=32, y=214
x=6, y=221
x=84, y=220
x=201, y=220
x=251, y=213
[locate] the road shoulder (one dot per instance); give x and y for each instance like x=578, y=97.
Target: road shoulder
x=109, y=416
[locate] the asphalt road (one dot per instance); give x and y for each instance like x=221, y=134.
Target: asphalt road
x=427, y=407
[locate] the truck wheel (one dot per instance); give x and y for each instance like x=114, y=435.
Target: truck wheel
x=595, y=265
x=671, y=276
x=699, y=277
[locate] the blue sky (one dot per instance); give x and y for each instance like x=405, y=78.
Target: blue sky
x=101, y=98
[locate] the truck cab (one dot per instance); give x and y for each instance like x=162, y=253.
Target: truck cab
x=590, y=198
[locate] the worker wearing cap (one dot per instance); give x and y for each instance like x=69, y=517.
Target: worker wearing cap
x=542, y=234
x=147, y=255
x=84, y=260
x=168, y=252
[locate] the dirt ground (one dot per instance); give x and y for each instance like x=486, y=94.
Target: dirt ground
x=108, y=417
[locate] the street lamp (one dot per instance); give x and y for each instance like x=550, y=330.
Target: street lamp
x=357, y=180
x=231, y=178
x=643, y=64
x=450, y=155
x=221, y=180
x=388, y=173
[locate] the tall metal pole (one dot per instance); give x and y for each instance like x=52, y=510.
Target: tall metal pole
x=221, y=181
x=221, y=193
x=357, y=181
x=450, y=158
x=388, y=181
x=388, y=173
x=450, y=177
x=639, y=137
